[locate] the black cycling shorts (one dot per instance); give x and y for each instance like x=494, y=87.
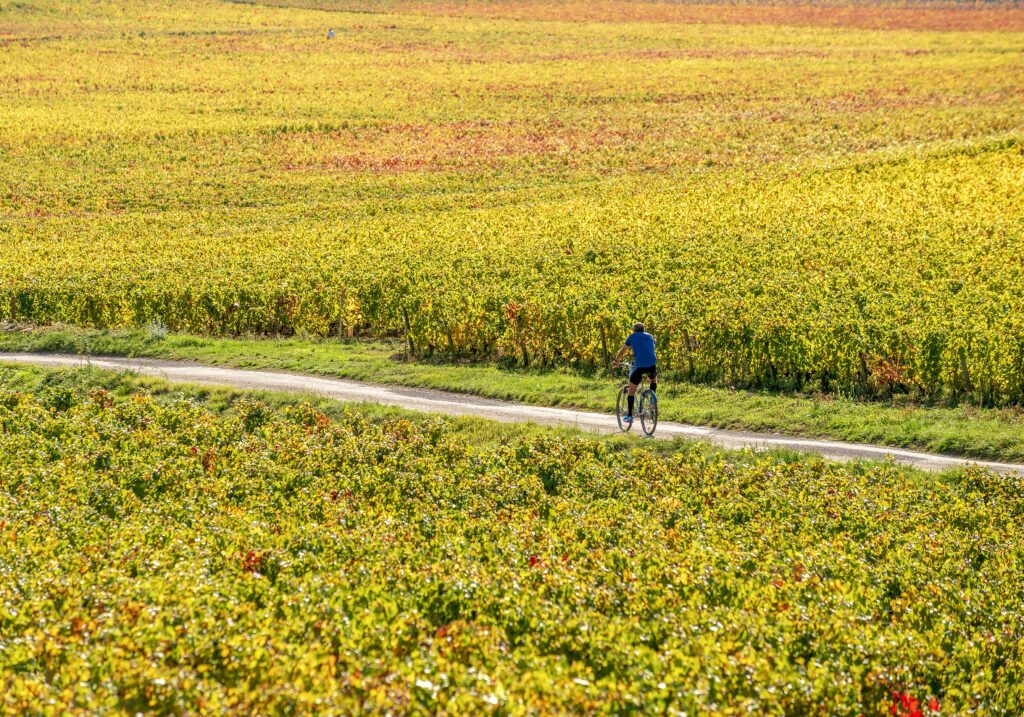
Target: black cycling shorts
x=638, y=373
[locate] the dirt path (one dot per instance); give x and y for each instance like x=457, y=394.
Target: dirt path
x=431, y=401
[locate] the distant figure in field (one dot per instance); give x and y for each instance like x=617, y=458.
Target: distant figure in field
x=330, y=34
x=645, y=361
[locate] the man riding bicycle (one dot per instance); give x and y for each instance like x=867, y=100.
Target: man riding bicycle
x=644, y=362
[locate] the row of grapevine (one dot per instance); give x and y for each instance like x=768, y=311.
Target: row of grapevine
x=930, y=301
x=158, y=557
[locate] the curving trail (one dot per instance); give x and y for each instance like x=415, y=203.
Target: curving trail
x=431, y=401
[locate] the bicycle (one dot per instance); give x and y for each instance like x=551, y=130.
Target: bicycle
x=647, y=405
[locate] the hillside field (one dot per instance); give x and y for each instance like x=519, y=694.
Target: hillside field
x=790, y=196
x=822, y=202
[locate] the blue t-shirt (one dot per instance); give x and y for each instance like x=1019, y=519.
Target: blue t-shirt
x=642, y=344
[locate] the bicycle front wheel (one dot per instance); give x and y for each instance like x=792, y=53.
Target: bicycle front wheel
x=622, y=408
x=649, y=411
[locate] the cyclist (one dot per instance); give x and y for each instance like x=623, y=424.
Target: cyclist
x=644, y=362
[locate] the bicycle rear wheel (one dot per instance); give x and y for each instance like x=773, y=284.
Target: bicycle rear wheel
x=622, y=408
x=649, y=411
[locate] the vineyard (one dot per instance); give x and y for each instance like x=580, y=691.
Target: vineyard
x=161, y=558
x=795, y=197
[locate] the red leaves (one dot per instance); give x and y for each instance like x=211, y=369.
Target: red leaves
x=904, y=705
x=209, y=460
x=102, y=399
x=888, y=373
x=512, y=311
x=537, y=562
x=254, y=561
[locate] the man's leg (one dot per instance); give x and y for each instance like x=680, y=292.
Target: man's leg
x=631, y=401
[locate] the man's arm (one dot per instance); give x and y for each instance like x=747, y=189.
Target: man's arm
x=618, y=357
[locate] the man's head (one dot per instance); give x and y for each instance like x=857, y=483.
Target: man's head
x=638, y=328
